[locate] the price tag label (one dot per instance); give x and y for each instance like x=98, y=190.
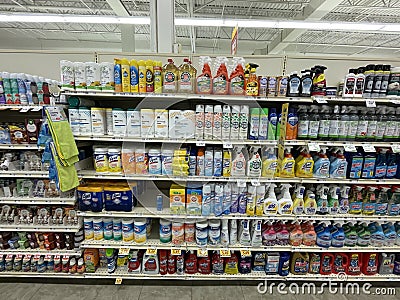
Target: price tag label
x=24, y=109
x=118, y=280
x=255, y=182
x=227, y=145
x=313, y=147
x=200, y=144
x=241, y=183
x=123, y=251
x=370, y=103
x=395, y=148
x=225, y=253
x=395, y=101
x=37, y=108
x=245, y=253
x=350, y=148
x=151, y=251
x=368, y=148
x=320, y=100
x=202, y=253
x=176, y=251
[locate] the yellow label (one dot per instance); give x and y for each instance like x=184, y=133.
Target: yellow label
x=245, y=253
x=176, y=251
x=151, y=251
x=123, y=251
x=118, y=280
x=202, y=253
x=225, y=253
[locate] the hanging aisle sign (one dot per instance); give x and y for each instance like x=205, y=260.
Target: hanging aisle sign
x=234, y=40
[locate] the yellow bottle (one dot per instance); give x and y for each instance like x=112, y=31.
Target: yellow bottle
x=226, y=163
x=269, y=164
x=310, y=204
x=149, y=76
x=142, y=76
x=286, y=169
x=157, y=72
x=134, y=76
x=298, y=200
x=126, y=77
x=304, y=166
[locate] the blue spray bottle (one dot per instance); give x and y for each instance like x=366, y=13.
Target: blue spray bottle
x=338, y=166
x=381, y=165
x=321, y=165
x=354, y=164
x=382, y=202
x=392, y=164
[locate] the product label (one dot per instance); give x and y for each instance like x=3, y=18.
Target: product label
x=185, y=81
x=380, y=171
x=372, y=127
x=313, y=129
x=368, y=168
x=169, y=81
x=324, y=128
x=349, y=86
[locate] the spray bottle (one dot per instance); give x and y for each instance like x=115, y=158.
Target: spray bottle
x=338, y=166
x=310, y=205
x=344, y=199
x=269, y=163
x=285, y=203
x=304, y=164
x=382, y=203
x=260, y=196
x=333, y=201
x=203, y=84
x=322, y=164
x=369, y=201
x=286, y=169
x=322, y=199
x=236, y=81
x=254, y=164
x=298, y=200
x=270, y=202
x=251, y=197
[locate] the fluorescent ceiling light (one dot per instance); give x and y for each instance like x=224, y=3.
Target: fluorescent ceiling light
x=86, y=19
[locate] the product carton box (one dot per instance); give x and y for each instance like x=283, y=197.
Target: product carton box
x=91, y=257
x=161, y=123
x=193, y=201
x=176, y=129
x=177, y=199
x=147, y=123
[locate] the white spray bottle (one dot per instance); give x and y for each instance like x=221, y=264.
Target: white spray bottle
x=225, y=233
x=270, y=202
x=238, y=163
x=254, y=164
x=285, y=203
x=245, y=238
x=256, y=240
x=344, y=199
x=260, y=195
x=233, y=232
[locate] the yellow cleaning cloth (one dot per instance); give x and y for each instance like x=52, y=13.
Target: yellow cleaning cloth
x=67, y=175
x=62, y=136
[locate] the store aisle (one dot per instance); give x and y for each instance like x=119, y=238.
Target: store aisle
x=155, y=290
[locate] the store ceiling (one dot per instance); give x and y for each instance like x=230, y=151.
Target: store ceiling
x=106, y=37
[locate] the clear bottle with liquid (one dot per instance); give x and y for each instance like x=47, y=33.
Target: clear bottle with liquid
x=186, y=77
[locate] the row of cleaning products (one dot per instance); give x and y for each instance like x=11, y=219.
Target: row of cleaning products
x=346, y=123
x=164, y=262
x=372, y=81
x=26, y=89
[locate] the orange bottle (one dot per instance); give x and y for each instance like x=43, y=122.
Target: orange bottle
x=203, y=81
x=221, y=78
x=236, y=81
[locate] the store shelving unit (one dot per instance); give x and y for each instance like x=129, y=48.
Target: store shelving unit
x=41, y=252
x=154, y=243
x=44, y=228
x=37, y=200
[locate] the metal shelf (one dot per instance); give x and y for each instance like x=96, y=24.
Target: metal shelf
x=41, y=252
x=30, y=228
x=37, y=200
x=25, y=174
x=36, y=274
x=19, y=147
x=346, y=249
x=150, y=243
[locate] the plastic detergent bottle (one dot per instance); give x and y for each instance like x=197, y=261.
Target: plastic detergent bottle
x=226, y=163
x=236, y=80
x=256, y=239
x=251, y=80
x=333, y=200
x=204, y=79
x=134, y=70
x=349, y=83
x=368, y=170
x=394, y=203
x=185, y=78
x=338, y=236
x=309, y=234
x=314, y=123
x=285, y=203
x=390, y=234
x=269, y=163
x=382, y=202
x=294, y=85
x=322, y=199
x=315, y=263
x=250, y=200
x=327, y=261
x=377, y=235
x=344, y=199
x=270, y=201
x=350, y=233
x=170, y=77
x=295, y=234
x=304, y=164
x=369, y=201
x=354, y=165
x=324, y=236
x=268, y=234
x=238, y=162
x=220, y=80
x=304, y=123
x=338, y=166
x=141, y=76
x=292, y=124
x=287, y=165
x=369, y=264
x=299, y=263
x=254, y=165
x=319, y=81
x=298, y=200
x=386, y=263
x=149, y=76
x=310, y=205
x=244, y=236
x=321, y=165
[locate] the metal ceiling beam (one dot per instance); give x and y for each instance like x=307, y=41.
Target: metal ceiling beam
x=315, y=10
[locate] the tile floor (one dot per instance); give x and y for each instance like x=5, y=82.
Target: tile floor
x=153, y=290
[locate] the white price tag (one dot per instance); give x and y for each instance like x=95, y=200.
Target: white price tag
x=37, y=108
x=370, y=103
x=313, y=147
x=320, y=100
x=227, y=145
x=200, y=144
x=255, y=182
x=349, y=148
x=396, y=148
x=241, y=183
x=369, y=148
x=24, y=109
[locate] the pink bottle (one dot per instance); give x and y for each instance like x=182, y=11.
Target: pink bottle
x=282, y=234
x=269, y=235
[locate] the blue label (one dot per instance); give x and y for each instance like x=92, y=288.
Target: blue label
x=368, y=168
x=356, y=167
x=380, y=171
x=381, y=208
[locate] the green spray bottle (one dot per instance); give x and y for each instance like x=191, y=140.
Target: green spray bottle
x=364, y=235
x=350, y=234
x=333, y=200
x=369, y=201
x=322, y=199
